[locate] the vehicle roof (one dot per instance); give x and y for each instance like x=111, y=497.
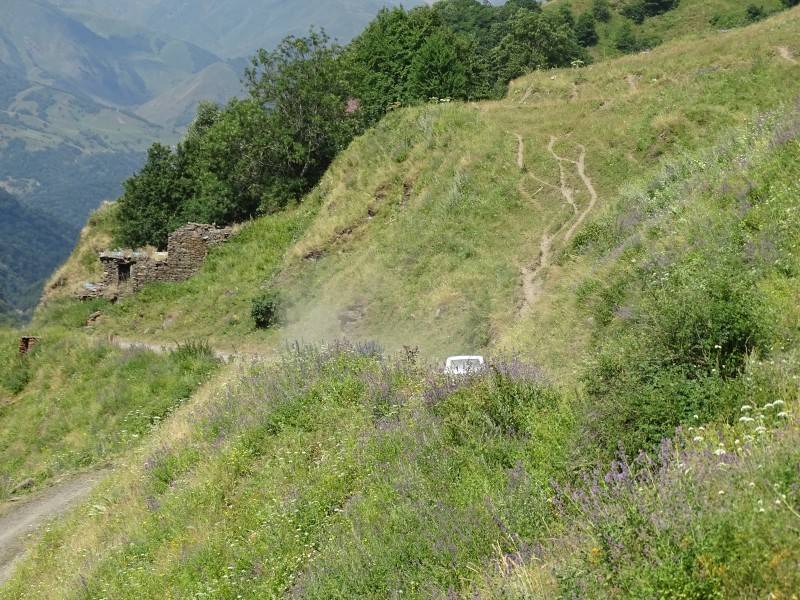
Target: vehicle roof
x=465, y=358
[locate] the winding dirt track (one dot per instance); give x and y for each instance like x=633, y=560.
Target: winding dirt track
x=533, y=277
x=22, y=519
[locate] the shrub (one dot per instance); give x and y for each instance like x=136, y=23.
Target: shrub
x=585, y=30
x=755, y=13
x=265, y=309
x=601, y=10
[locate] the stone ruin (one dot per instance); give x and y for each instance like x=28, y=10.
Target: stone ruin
x=26, y=344
x=127, y=271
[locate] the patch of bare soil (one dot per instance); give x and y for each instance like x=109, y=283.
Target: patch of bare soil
x=24, y=518
x=786, y=54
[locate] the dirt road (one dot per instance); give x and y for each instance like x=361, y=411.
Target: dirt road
x=19, y=520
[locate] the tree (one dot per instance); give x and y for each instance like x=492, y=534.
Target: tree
x=438, y=70
x=754, y=13
x=585, y=31
x=535, y=40
x=380, y=58
x=565, y=14
x=151, y=200
x=626, y=40
x=306, y=90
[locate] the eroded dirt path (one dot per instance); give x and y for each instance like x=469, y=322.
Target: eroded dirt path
x=533, y=277
x=593, y=197
x=786, y=54
x=23, y=518
x=167, y=347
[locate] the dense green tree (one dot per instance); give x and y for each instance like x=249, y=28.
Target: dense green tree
x=438, y=69
x=638, y=10
x=585, y=30
x=306, y=91
x=381, y=56
x=564, y=12
x=754, y=13
x=151, y=200
x=626, y=40
x=536, y=40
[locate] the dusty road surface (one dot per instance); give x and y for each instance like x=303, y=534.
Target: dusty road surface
x=22, y=518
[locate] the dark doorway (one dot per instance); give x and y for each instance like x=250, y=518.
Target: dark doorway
x=124, y=272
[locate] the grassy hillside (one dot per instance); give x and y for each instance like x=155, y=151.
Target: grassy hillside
x=629, y=231
x=400, y=238
x=73, y=404
x=339, y=473
x=687, y=18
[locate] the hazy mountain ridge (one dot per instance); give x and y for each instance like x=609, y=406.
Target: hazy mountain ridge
x=236, y=28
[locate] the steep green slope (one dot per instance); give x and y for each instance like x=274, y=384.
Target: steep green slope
x=340, y=473
x=429, y=229
x=686, y=18
x=72, y=404
x=631, y=228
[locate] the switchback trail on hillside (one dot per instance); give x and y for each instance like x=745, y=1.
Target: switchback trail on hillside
x=533, y=277
x=28, y=515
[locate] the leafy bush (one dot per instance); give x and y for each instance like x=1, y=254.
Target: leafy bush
x=265, y=309
x=601, y=10
x=585, y=30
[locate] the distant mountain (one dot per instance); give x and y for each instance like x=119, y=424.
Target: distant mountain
x=176, y=107
x=234, y=28
x=52, y=47
x=30, y=249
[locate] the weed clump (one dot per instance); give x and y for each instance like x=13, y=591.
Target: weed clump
x=265, y=309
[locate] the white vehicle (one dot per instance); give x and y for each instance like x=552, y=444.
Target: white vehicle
x=463, y=365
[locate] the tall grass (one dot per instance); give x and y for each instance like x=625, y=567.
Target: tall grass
x=72, y=403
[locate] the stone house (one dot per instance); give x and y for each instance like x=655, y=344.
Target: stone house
x=126, y=271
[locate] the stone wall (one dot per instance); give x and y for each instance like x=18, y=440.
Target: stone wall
x=126, y=271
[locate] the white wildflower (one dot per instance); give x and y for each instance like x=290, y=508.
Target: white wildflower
x=719, y=451
x=746, y=408
x=746, y=419
x=761, y=429
x=697, y=438
x=783, y=414
x=778, y=403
